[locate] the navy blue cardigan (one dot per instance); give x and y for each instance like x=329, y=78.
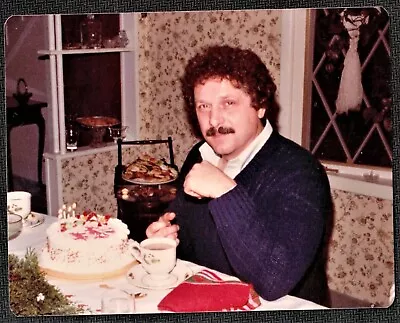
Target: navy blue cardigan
x=270, y=230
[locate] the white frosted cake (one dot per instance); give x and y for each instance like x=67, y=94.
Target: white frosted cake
x=87, y=246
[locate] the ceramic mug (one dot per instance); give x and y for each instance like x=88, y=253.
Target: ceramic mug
x=19, y=202
x=157, y=255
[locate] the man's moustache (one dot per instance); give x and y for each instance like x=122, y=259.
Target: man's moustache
x=222, y=130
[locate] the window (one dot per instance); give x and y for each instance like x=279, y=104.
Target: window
x=355, y=147
x=360, y=137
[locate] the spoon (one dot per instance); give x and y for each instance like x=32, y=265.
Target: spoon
x=136, y=295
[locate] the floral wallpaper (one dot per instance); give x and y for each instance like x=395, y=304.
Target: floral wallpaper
x=361, y=248
x=361, y=255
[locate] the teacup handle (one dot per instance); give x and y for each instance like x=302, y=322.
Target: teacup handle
x=136, y=252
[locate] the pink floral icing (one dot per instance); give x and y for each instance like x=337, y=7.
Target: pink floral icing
x=96, y=233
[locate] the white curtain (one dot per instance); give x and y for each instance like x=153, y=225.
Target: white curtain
x=350, y=90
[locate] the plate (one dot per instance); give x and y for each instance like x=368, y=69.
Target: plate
x=148, y=170
x=33, y=220
x=88, y=277
x=140, y=181
x=138, y=277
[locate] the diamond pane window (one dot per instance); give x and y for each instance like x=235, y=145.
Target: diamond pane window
x=360, y=136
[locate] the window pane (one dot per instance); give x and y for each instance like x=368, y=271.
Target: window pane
x=330, y=148
x=374, y=153
x=92, y=87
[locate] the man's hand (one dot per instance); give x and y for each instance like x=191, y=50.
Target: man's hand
x=164, y=228
x=206, y=180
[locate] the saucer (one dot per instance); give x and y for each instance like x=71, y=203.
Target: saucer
x=164, y=283
x=33, y=219
x=138, y=277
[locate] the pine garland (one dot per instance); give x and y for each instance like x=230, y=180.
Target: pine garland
x=30, y=293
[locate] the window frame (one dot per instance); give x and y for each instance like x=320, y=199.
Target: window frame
x=295, y=94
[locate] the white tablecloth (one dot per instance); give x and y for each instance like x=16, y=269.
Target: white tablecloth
x=89, y=293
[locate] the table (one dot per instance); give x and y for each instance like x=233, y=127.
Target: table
x=19, y=115
x=89, y=293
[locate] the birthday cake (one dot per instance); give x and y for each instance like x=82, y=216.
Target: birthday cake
x=86, y=246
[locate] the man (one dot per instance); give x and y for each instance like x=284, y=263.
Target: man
x=251, y=203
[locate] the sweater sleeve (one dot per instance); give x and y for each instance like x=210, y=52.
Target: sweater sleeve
x=272, y=231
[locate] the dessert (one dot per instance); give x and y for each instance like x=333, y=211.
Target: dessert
x=149, y=170
x=86, y=246
x=147, y=193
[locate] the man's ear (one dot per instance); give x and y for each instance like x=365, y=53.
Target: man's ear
x=261, y=113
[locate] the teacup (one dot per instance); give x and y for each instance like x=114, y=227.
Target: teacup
x=157, y=256
x=19, y=202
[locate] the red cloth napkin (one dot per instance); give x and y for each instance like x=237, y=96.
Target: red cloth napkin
x=206, y=291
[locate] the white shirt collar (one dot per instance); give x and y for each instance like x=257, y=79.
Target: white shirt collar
x=235, y=165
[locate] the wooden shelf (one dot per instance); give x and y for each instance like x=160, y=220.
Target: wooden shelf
x=82, y=151
x=84, y=51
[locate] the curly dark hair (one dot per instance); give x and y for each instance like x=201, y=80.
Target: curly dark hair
x=242, y=67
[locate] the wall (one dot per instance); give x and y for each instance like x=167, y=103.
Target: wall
x=361, y=262
x=24, y=36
